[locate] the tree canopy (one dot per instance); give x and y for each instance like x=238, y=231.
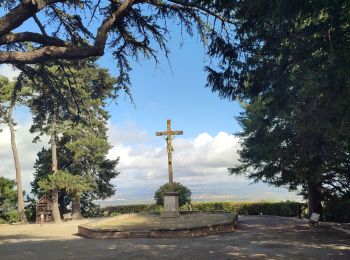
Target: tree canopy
x=289, y=66
x=79, y=29
x=72, y=99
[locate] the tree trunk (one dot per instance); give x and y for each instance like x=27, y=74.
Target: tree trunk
x=21, y=210
x=76, y=214
x=314, y=199
x=55, y=209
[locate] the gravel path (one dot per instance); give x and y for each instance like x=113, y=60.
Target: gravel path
x=260, y=237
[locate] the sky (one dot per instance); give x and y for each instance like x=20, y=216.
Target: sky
x=173, y=91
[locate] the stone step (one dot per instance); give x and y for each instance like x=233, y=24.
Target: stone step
x=140, y=234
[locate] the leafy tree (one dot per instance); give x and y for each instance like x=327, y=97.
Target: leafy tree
x=8, y=200
x=10, y=94
x=289, y=66
x=184, y=193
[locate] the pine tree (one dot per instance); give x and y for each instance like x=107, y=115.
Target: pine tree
x=70, y=107
x=289, y=66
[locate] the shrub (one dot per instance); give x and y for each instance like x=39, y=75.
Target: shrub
x=286, y=209
x=127, y=209
x=337, y=210
x=8, y=200
x=12, y=216
x=184, y=194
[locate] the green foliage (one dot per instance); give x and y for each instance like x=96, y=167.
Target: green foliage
x=184, y=194
x=12, y=216
x=289, y=66
x=127, y=209
x=8, y=200
x=286, y=209
x=30, y=208
x=6, y=88
x=74, y=95
x=142, y=33
x=337, y=210
x=74, y=185
x=88, y=208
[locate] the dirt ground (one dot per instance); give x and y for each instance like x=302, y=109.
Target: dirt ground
x=262, y=237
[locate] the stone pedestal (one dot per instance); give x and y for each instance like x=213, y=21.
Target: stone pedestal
x=171, y=205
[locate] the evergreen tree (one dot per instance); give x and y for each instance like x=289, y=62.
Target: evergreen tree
x=289, y=66
x=92, y=164
x=69, y=101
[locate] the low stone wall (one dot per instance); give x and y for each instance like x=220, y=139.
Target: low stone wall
x=91, y=232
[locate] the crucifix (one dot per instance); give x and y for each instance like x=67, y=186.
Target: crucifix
x=169, y=136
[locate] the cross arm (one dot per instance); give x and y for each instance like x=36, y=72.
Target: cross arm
x=172, y=133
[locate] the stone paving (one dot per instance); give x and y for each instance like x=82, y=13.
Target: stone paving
x=257, y=237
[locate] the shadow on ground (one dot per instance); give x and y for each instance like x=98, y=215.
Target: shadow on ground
x=257, y=237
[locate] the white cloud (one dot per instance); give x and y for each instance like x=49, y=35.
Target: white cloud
x=203, y=159
x=27, y=151
x=8, y=71
x=200, y=163
x=127, y=133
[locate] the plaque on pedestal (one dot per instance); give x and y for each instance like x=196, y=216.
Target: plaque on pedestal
x=171, y=205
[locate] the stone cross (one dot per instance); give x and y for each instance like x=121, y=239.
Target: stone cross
x=169, y=136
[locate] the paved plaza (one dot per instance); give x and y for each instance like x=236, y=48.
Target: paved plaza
x=260, y=237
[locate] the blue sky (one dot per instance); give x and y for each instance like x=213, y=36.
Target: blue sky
x=202, y=155
x=177, y=92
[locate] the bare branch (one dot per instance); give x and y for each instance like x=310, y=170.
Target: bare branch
x=41, y=27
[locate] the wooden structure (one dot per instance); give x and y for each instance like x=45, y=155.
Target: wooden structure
x=44, y=207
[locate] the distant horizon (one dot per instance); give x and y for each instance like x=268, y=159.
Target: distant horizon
x=231, y=192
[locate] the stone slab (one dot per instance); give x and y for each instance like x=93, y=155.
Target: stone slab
x=90, y=232
x=170, y=214
x=171, y=205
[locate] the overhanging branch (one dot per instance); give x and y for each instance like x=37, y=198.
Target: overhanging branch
x=30, y=37
x=22, y=12
x=50, y=53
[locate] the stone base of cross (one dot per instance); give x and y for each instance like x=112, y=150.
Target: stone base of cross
x=171, y=205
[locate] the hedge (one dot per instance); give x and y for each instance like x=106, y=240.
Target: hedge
x=286, y=209
x=127, y=209
x=337, y=210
